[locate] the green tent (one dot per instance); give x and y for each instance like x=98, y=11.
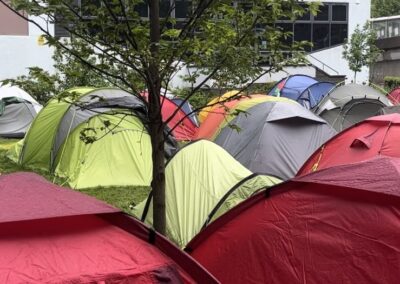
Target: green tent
x=202, y=182
x=121, y=154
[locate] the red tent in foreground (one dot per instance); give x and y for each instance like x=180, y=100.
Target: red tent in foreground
x=379, y=135
x=338, y=225
x=49, y=234
x=394, y=96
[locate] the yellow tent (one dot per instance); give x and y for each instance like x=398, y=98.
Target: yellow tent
x=214, y=103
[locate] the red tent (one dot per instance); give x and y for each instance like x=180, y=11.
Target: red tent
x=49, y=234
x=183, y=128
x=337, y=225
x=379, y=135
x=394, y=96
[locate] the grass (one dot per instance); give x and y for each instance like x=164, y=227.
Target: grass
x=120, y=197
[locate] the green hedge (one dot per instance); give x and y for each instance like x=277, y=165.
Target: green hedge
x=391, y=82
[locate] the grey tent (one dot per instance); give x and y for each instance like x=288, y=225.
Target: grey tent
x=349, y=104
x=389, y=110
x=17, y=111
x=276, y=138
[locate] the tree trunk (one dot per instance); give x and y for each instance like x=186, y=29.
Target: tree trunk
x=355, y=77
x=156, y=123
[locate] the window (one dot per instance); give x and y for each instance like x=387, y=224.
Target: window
x=327, y=28
x=320, y=36
x=182, y=8
x=323, y=13
x=339, y=13
x=338, y=33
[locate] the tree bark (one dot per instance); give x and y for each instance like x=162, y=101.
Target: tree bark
x=156, y=124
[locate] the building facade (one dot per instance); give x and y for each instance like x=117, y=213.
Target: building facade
x=388, y=34
x=21, y=47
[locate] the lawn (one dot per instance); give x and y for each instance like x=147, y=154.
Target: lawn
x=121, y=197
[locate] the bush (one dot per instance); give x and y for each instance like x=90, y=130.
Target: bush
x=391, y=82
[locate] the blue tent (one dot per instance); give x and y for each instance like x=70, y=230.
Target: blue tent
x=187, y=108
x=292, y=87
x=314, y=94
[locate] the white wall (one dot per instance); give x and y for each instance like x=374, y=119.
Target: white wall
x=359, y=13
x=20, y=52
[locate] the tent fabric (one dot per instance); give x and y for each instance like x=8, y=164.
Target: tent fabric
x=182, y=125
x=275, y=137
x=221, y=115
x=394, y=96
x=292, y=87
x=18, y=109
x=121, y=155
x=311, y=96
x=372, y=137
x=338, y=225
x=61, y=236
x=187, y=109
x=7, y=91
x=216, y=103
x=183, y=128
x=349, y=104
x=390, y=110
x=202, y=182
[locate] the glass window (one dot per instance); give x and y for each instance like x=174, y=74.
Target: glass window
x=339, y=13
x=165, y=6
x=306, y=16
x=142, y=10
x=286, y=27
x=323, y=13
x=394, y=28
x=338, y=33
x=302, y=32
x=320, y=36
x=182, y=8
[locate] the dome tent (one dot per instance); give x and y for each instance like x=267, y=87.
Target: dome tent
x=215, y=103
x=302, y=88
x=313, y=94
x=275, y=137
x=221, y=115
x=375, y=136
x=348, y=104
x=337, y=225
x=202, y=182
x=120, y=157
x=50, y=234
x=394, y=96
x=17, y=111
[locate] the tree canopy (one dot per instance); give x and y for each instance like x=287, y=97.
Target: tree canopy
x=360, y=50
x=384, y=8
x=143, y=44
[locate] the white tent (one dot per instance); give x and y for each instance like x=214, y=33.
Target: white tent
x=17, y=110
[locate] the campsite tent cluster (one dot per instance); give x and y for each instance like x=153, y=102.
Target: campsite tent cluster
x=226, y=205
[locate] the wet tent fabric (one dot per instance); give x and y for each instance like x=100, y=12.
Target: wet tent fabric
x=394, y=96
x=17, y=111
x=389, y=110
x=202, y=182
x=311, y=96
x=187, y=109
x=223, y=114
x=61, y=236
x=276, y=138
x=212, y=104
x=348, y=104
x=292, y=87
x=338, y=225
x=120, y=157
x=376, y=136
x=183, y=128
